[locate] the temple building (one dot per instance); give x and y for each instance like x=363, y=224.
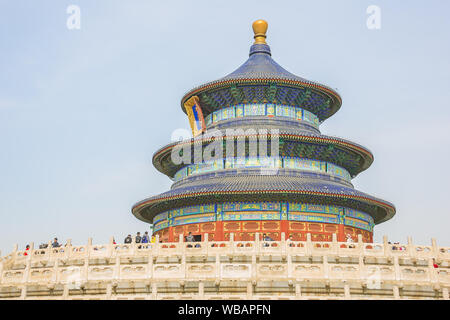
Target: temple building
x=304, y=187
x=256, y=164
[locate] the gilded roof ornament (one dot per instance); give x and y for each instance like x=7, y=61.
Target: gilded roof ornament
x=260, y=29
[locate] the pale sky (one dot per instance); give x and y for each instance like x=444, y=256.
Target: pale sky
x=83, y=111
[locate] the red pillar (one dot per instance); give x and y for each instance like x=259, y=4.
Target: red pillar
x=284, y=227
x=219, y=231
x=341, y=235
x=170, y=234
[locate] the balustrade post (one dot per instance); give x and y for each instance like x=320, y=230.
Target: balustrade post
x=334, y=243
x=116, y=272
x=347, y=291
x=27, y=271
x=289, y=265
x=206, y=244
x=308, y=244
x=257, y=243
x=23, y=292
x=182, y=246
x=108, y=291
x=1, y=270
x=111, y=246
x=411, y=249
x=68, y=249
x=89, y=246
x=254, y=266
x=150, y=266
x=434, y=247
x=232, y=242
x=249, y=290
x=157, y=245
x=298, y=290
x=218, y=271
x=65, y=295
x=55, y=270
x=360, y=239
x=283, y=243
x=183, y=265
x=362, y=268
x=396, y=268
x=396, y=292
x=360, y=244
x=445, y=294
x=86, y=259
x=201, y=290
x=15, y=248
x=386, y=247
x=326, y=271
x=154, y=290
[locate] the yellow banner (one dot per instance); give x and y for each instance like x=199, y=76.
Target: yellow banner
x=195, y=115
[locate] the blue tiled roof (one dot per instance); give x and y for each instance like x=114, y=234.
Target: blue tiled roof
x=251, y=82
x=257, y=184
x=261, y=65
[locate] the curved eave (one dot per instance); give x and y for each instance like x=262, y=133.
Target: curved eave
x=221, y=84
x=147, y=209
x=161, y=155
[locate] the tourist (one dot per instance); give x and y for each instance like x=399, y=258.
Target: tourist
x=264, y=237
x=394, y=247
x=138, y=238
x=145, y=237
x=289, y=241
x=435, y=265
x=43, y=246
x=55, y=243
x=26, y=249
x=350, y=240
x=190, y=238
x=153, y=240
x=128, y=239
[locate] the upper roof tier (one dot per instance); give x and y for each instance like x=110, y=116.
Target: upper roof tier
x=261, y=80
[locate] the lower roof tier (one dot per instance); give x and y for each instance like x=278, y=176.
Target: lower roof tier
x=263, y=188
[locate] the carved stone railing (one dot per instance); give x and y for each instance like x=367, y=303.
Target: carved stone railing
x=243, y=269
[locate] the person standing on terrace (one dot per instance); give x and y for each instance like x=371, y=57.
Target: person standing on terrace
x=128, y=239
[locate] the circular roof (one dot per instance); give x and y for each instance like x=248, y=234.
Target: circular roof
x=263, y=187
x=260, y=80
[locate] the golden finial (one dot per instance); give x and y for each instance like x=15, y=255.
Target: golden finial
x=260, y=29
